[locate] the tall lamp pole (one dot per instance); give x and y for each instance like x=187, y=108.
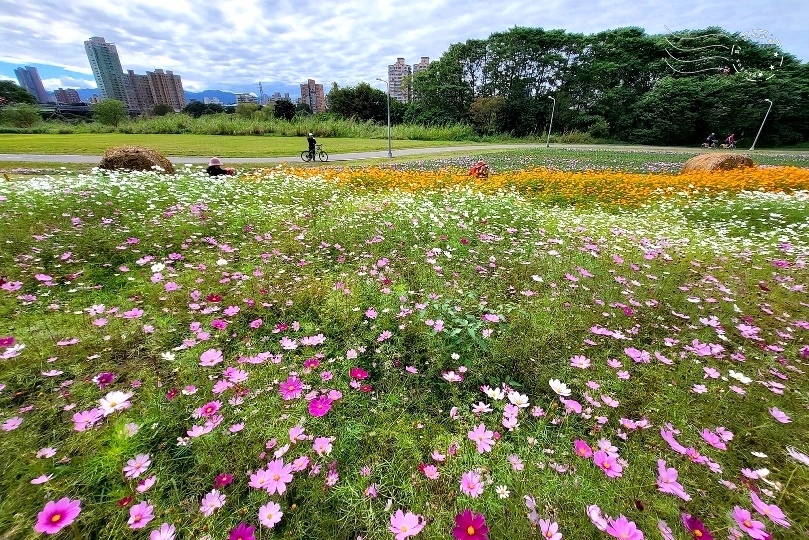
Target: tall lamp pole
x=390, y=154
x=548, y=145
x=762, y=125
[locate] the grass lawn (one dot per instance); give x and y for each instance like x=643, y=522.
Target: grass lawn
x=195, y=145
x=333, y=353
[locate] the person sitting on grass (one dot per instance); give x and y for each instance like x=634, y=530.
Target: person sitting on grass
x=215, y=168
x=479, y=170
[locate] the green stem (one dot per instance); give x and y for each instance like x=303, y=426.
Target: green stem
x=783, y=491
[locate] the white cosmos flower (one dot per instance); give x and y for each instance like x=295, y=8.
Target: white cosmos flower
x=158, y=267
x=559, y=387
x=502, y=491
x=741, y=377
x=520, y=400
x=495, y=393
x=167, y=356
x=114, y=401
x=797, y=455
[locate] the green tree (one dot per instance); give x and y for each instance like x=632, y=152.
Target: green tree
x=161, y=109
x=110, y=112
x=483, y=114
x=20, y=115
x=12, y=93
x=362, y=102
x=246, y=110
x=284, y=109
x=195, y=108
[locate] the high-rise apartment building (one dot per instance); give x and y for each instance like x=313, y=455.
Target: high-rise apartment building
x=312, y=95
x=398, y=75
x=67, y=96
x=107, y=70
x=28, y=77
x=167, y=88
x=139, y=87
x=422, y=65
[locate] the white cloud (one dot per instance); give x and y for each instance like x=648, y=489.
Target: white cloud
x=234, y=45
x=67, y=82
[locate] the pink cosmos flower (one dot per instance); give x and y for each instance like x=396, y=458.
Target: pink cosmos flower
x=594, y=513
x=608, y=464
x=322, y=446
x=623, y=529
x=667, y=481
x=470, y=526
x=137, y=466
x=482, y=437
x=582, y=449
x=549, y=529
x=431, y=472
x=208, y=410
x=320, y=406
x=211, y=357
x=165, y=532
x=772, y=511
x=279, y=475
x=404, y=525
x=213, y=501
x=713, y=439
x=291, y=388
x=749, y=525
x=580, y=361
x=270, y=514
x=242, y=532
x=56, y=515
x=146, y=484
x=780, y=415
x=86, y=419
x=140, y=515
x=471, y=484
x=41, y=479
x=12, y=423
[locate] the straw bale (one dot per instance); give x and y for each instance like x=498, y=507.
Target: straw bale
x=134, y=158
x=717, y=162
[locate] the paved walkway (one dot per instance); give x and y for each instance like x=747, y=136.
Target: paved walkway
x=370, y=155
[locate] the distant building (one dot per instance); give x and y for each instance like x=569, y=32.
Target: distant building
x=211, y=101
x=67, y=96
x=28, y=77
x=398, y=75
x=95, y=98
x=312, y=95
x=139, y=86
x=246, y=98
x=276, y=96
x=108, y=73
x=167, y=89
x=422, y=65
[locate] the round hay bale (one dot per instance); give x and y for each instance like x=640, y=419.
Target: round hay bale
x=134, y=158
x=717, y=162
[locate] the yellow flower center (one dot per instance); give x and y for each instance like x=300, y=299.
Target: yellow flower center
x=403, y=529
x=698, y=533
x=55, y=518
x=548, y=534
x=747, y=523
x=470, y=530
x=137, y=518
x=276, y=477
x=606, y=465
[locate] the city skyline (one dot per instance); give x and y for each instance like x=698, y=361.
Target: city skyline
x=233, y=47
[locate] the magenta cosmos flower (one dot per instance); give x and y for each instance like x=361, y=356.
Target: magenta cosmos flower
x=623, y=529
x=242, y=532
x=608, y=464
x=582, y=448
x=749, y=525
x=405, y=525
x=140, y=515
x=291, y=388
x=470, y=526
x=696, y=527
x=57, y=515
x=320, y=406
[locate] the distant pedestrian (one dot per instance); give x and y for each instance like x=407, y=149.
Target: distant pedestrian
x=312, y=142
x=215, y=168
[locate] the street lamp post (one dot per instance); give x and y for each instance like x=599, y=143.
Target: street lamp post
x=390, y=154
x=762, y=125
x=548, y=145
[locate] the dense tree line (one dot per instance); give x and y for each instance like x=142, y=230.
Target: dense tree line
x=619, y=84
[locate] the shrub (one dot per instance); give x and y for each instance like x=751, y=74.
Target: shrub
x=21, y=115
x=109, y=112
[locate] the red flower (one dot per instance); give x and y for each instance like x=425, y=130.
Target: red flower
x=358, y=373
x=222, y=480
x=125, y=501
x=213, y=298
x=171, y=394
x=469, y=526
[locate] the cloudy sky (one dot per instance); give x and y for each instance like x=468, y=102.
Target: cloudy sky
x=231, y=45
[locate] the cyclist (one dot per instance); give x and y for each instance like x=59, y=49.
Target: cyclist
x=710, y=142
x=312, y=142
x=730, y=142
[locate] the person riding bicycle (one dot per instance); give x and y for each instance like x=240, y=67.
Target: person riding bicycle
x=711, y=141
x=730, y=142
x=312, y=142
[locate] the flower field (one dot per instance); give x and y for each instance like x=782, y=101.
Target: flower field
x=593, y=347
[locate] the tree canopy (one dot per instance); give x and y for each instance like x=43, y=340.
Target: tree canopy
x=13, y=93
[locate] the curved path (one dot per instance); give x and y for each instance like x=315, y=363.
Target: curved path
x=379, y=154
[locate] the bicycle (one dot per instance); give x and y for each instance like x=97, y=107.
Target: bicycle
x=318, y=153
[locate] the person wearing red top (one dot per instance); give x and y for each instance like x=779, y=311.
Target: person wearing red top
x=479, y=170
